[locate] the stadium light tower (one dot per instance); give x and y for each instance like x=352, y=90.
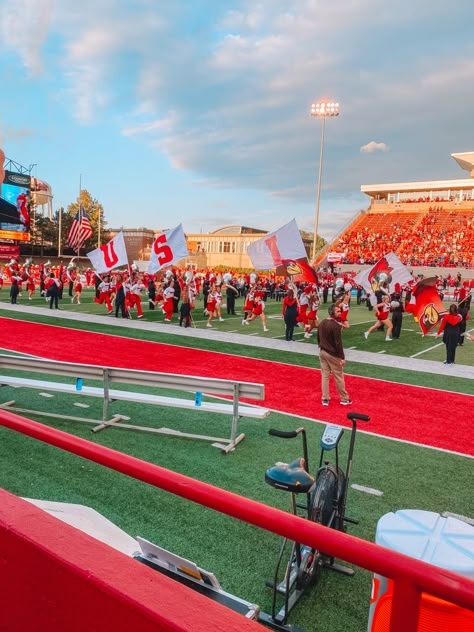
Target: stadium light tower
x=321, y=109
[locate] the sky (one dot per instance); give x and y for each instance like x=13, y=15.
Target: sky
x=198, y=112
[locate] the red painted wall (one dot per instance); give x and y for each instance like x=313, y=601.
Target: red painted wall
x=54, y=577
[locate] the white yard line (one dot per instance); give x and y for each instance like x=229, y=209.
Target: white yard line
x=440, y=344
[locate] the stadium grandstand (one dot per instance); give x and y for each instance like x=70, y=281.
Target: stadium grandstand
x=424, y=223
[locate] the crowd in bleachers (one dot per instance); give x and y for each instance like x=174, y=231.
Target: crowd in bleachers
x=435, y=238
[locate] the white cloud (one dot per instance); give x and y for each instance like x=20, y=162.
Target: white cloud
x=24, y=29
x=373, y=146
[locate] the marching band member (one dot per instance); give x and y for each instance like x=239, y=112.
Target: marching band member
x=134, y=295
x=15, y=287
x=303, y=307
x=120, y=297
x=169, y=299
x=30, y=286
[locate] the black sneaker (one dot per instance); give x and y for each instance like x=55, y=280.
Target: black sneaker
x=325, y=402
x=346, y=402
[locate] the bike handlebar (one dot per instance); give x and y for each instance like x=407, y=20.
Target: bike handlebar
x=291, y=434
x=358, y=417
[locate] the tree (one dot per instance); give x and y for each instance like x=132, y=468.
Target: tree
x=307, y=238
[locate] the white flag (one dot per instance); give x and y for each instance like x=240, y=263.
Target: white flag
x=283, y=244
x=167, y=248
x=388, y=269
x=110, y=255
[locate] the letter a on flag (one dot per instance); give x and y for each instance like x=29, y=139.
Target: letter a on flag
x=167, y=248
x=109, y=256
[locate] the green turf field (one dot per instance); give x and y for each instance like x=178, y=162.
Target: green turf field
x=241, y=556
x=410, y=344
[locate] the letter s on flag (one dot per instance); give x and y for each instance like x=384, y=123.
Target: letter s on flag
x=162, y=250
x=110, y=256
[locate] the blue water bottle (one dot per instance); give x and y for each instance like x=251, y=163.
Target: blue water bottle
x=78, y=383
x=198, y=399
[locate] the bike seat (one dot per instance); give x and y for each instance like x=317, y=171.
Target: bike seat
x=290, y=476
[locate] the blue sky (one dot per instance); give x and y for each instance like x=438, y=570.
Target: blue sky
x=198, y=111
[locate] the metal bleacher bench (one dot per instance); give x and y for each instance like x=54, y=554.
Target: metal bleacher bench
x=153, y=380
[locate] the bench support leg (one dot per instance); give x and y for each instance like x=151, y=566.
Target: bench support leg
x=106, y=424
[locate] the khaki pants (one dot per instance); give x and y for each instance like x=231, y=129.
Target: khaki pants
x=330, y=364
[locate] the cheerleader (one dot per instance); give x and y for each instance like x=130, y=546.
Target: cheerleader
x=313, y=322
x=77, y=290
x=211, y=304
x=382, y=314
x=344, y=304
x=258, y=310
x=248, y=304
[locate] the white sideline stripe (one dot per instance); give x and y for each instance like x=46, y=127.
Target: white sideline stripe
x=374, y=434
x=367, y=490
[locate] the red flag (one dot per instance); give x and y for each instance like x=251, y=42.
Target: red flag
x=426, y=305
x=298, y=269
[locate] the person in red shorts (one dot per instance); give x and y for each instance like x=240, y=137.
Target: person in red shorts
x=313, y=322
x=77, y=290
x=104, y=293
x=211, y=304
x=383, y=318
x=258, y=310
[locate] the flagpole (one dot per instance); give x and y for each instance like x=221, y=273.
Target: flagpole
x=59, y=230
x=80, y=215
x=98, y=232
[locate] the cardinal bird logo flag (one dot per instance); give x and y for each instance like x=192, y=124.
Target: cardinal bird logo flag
x=168, y=248
x=425, y=305
x=389, y=269
x=282, y=249
x=109, y=256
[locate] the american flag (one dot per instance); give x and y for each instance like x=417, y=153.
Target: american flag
x=79, y=231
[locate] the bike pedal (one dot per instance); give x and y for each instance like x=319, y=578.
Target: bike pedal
x=351, y=520
x=270, y=584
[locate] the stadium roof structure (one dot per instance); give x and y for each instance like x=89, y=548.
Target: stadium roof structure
x=465, y=161
x=237, y=230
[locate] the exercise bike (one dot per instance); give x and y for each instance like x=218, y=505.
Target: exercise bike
x=325, y=503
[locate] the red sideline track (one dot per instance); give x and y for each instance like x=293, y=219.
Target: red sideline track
x=410, y=413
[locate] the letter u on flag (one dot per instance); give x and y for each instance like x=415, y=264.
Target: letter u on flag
x=109, y=256
x=168, y=248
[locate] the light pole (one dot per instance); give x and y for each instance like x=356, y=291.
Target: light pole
x=321, y=109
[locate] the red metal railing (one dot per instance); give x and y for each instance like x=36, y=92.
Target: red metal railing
x=411, y=577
